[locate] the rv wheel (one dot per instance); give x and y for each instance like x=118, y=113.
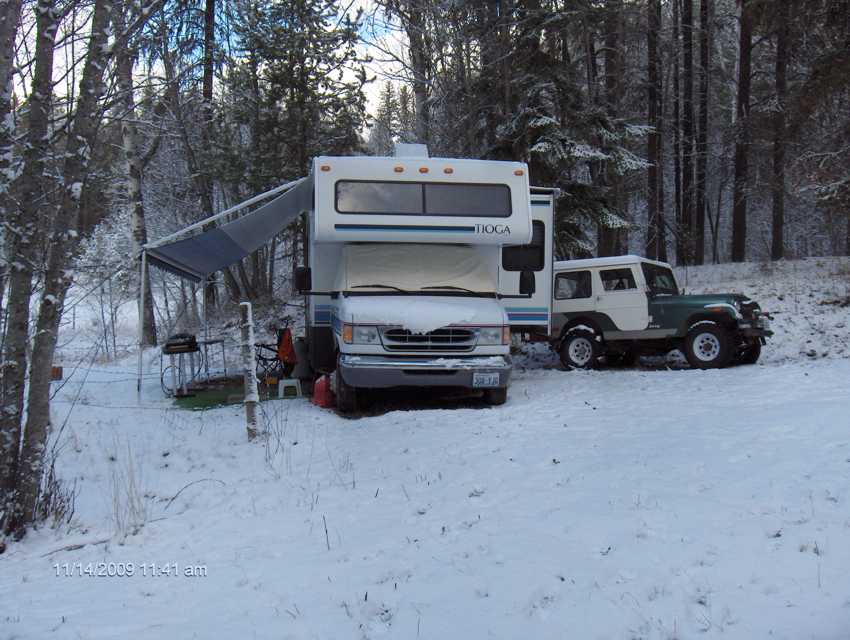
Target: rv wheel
x=495, y=397
x=346, y=395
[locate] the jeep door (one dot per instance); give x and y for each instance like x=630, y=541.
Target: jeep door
x=620, y=296
x=573, y=294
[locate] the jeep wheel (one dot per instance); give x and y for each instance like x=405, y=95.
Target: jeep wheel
x=751, y=353
x=707, y=346
x=496, y=397
x=580, y=350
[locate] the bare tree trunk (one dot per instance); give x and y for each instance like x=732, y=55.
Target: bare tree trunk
x=23, y=227
x=420, y=57
x=10, y=13
x=207, y=114
x=688, y=129
x=610, y=242
x=200, y=183
x=847, y=238
x=677, y=141
x=57, y=279
x=655, y=174
x=130, y=140
x=742, y=141
x=271, y=268
x=702, y=132
x=777, y=250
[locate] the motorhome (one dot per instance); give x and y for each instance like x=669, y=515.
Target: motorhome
x=404, y=277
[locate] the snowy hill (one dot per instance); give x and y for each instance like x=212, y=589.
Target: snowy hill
x=638, y=503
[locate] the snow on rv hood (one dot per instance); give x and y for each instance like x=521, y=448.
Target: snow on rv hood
x=421, y=314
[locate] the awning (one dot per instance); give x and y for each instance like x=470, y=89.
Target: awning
x=196, y=257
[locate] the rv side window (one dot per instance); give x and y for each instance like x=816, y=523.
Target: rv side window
x=527, y=257
x=418, y=198
x=379, y=197
x=572, y=286
x=617, y=279
x=478, y=200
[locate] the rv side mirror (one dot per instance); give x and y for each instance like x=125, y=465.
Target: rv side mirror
x=303, y=279
x=527, y=284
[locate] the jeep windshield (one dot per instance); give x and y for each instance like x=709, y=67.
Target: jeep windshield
x=660, y=280
x=415, y=269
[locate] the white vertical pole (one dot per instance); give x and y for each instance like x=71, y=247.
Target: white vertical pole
x=252, y=396
x=142, y=271
x=206, y=332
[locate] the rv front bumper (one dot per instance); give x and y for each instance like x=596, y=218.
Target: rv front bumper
x=376, y=372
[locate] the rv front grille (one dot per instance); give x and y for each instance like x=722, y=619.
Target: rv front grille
x=444, y=339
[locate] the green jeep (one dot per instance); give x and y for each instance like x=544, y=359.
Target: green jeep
x=621, y=307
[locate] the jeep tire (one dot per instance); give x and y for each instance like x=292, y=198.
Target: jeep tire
x=707, y=346
x=751, y=352
x=580, y=350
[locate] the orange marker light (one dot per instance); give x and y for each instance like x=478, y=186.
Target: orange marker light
x=398, y=169
x=423, y=169
x=347, y=333
x=448, y=170
x=325, y=167
x=519, y=172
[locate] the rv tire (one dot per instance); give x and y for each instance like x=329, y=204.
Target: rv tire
x=346, y=395
x=496, y=397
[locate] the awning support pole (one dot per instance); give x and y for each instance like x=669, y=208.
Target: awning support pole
x=142, y=270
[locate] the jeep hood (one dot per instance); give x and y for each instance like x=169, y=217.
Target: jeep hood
x=700, y=300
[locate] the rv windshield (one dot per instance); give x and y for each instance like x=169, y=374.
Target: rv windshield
x=416, y=268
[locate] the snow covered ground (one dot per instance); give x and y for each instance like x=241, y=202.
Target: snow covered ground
x=639, y=503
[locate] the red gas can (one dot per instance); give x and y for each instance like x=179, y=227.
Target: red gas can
x=322, y=394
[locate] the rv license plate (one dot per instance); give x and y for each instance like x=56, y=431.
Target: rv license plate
x=480, y=380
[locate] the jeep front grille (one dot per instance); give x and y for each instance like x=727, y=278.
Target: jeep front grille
x=444, y=339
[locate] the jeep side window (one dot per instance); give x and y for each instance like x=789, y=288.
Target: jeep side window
x=617, y=279
x=572, y=286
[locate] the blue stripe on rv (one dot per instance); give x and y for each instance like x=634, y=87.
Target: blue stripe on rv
x=527, y=314
x=322, y=314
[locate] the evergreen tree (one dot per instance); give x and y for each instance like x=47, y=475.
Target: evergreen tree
x=386, y=125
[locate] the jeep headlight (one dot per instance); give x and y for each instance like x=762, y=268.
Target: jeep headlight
x=494, y=335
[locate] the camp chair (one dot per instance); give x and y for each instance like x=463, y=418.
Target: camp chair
x=276, y=360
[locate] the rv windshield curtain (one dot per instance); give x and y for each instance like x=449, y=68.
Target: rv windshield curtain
x=413, y=267
x=196, y=257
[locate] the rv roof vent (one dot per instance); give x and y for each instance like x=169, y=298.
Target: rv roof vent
x=404, y=150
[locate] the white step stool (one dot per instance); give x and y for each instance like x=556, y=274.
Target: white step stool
x=288, y=388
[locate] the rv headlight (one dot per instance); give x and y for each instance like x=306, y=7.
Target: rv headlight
x=493, y=335
x=365, y=335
